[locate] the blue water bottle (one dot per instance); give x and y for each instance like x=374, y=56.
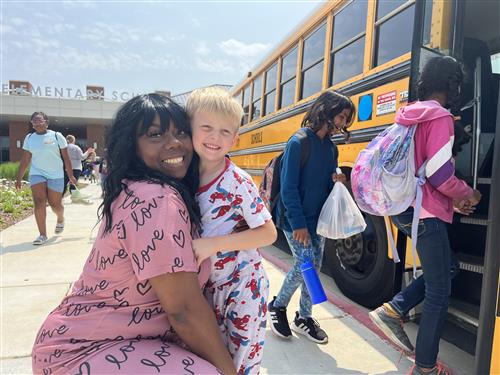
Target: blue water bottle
x=311, y=278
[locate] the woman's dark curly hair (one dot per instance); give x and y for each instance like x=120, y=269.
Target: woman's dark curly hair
x=442, y=74
x=325, y=108
x=39, y=113
x=131, y=121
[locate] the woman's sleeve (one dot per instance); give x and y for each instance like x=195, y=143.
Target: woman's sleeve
x=158, y=237
x=26, y=143
x=61, y=140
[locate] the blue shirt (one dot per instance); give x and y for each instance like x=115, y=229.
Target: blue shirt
x=304, y=191
x=46, y=157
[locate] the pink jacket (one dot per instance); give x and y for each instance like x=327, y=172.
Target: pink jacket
x=433, y=142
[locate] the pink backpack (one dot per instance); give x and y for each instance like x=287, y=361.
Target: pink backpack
x=383, y=179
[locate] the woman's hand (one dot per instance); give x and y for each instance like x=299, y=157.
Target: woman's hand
x=203, y=248
x=72, y=179
x=192, y=318
x=18, y=183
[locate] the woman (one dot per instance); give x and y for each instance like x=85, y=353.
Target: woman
x=438, y=91
x=76, y=156
x=139, y=299
x=46, y=150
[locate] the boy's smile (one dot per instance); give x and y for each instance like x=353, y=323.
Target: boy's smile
x=214, y=135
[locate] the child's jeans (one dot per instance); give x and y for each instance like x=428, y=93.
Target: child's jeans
x=435, y=284
x=301, y=253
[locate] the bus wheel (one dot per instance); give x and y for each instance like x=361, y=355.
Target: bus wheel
x=360, y=265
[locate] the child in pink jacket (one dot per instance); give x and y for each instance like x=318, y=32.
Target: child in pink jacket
x=438, y=89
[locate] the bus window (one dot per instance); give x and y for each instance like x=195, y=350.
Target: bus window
x=393, y=30
x=257, y=93
x=288, y=72
x=386, y=7
x=312, y=62
x=348, y=41
x=348, y=61
x=246, y=104
x=270, y=90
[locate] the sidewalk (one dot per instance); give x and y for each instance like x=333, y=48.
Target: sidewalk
x=34, y=280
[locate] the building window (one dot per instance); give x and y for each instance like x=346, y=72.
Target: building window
x=4, y=149
x=348, y=41
x=288, y=73
x=393, y=30
x=257, y=94
x=246, y=104
x=313, y=61
x=270, y=90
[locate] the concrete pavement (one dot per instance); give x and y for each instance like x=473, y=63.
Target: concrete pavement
x=34, y=280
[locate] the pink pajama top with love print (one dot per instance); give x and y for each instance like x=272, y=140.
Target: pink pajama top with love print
x=113, y=301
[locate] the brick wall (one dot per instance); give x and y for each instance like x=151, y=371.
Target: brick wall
x=95, y=134
x=17, y=132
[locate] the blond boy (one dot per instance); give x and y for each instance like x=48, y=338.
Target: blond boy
x=228, y=199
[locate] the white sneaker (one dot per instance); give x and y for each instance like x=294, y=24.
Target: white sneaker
x=59, y=228
x=40, y=240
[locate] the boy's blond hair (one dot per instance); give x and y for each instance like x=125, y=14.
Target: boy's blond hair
x=215, y=100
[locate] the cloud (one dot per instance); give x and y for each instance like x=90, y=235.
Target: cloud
x=235, y=48
x=215, y=65
x=202, y=49
x=114, y=33
x=52, y=16
x=41, y=44
x=159, y=39
x=16, y=21
x=6, y=29
x=59, y=28
x=196, y=22
x=67, y=4
x=164, y=39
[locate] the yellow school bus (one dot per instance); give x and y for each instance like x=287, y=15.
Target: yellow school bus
x=373, y=51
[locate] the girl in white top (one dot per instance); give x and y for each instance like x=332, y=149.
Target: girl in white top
x=46, y=150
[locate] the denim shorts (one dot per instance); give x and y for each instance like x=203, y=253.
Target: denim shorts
x=55, y=184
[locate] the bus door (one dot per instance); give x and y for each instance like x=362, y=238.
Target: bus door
x=470, y=33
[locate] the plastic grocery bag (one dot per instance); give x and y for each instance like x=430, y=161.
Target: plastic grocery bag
x=340, y=217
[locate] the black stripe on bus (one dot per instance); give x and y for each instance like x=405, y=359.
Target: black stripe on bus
x=378, y=79
x=357, y=136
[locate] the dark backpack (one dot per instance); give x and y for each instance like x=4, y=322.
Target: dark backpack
x=269, y=188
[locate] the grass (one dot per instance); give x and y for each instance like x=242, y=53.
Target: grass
x=9, y=170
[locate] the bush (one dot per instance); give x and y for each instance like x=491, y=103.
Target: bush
x=9, y=171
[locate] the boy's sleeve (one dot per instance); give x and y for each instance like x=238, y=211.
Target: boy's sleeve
x=248, y=202
x=290, y=181
x=158, y=237
x=440, y=168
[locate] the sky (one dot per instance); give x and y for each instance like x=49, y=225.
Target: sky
x=139, y=46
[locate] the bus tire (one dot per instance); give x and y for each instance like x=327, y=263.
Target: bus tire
x=360, y=266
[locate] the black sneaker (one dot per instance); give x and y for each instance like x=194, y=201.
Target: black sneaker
x=279, y=321
x=310, y=328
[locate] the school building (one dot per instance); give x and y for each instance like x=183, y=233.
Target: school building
x=84, y=114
